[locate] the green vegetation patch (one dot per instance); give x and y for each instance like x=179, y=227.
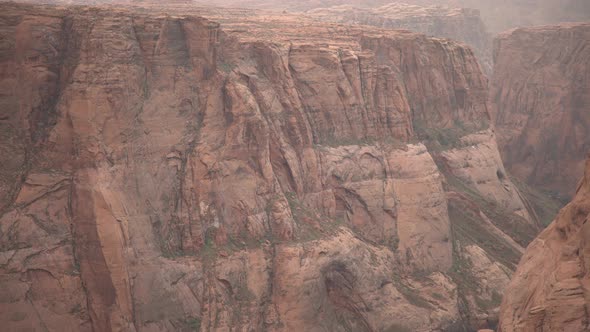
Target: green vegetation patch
x=439, y=139
x=466, y=227
x=545, y=204
x=226, y=67
x=410, y=294
x=332, y=141
x=512, y=224
x=311, y=225
x=489, y=304
x=190, y=324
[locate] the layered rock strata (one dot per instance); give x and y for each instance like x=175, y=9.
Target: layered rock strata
x=459, y=24
x=541, y=97
x=549, y=290
x=163, y=173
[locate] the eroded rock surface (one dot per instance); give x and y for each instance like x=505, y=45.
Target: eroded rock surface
x=541, y=99
x=166, y=173
x=498, y=15
x=549, y=289
x=459, y=24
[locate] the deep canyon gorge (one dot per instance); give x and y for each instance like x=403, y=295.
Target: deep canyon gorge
x=354, y=167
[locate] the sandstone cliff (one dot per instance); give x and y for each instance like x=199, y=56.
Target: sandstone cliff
x=502, y=15
x=459, y=24
x=541, y=102
x=499, y=15
x=549, y=291
x=161, y=172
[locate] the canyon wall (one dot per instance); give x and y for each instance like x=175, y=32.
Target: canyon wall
x=498, y=15
x=502, y=15
x=161, y=173
x=459, y=24
x=541, y=100
x=549, y=291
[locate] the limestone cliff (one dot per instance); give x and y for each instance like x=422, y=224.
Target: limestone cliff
x=541, y=97
x=549, y=291
x=160, y=172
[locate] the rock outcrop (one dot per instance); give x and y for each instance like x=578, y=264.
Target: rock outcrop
x=541, y=103
x=508, y=14
x=459, y=24
x=549, y=291
x=498, y=15
x=161, y=172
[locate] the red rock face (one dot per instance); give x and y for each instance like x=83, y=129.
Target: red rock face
x=461, y=24
x=163, y=173
x=541, y=101
x=502, y=15
x=548, y=290
x=498, y=15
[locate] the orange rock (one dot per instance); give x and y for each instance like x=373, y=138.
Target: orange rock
x=461, y=24
x=547, y=292
x=167, y=172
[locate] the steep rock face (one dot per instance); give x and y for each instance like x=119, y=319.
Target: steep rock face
x=301, y=5
x=498, y=15
x=541, y=98
x=507, y=14
x=481, y=166
x=549, y=291
x=460, y=24
x=172, y=175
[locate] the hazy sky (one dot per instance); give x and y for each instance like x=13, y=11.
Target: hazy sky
x=498, y=15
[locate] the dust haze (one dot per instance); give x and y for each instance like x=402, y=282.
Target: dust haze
x=499, y=15
x=295, y=165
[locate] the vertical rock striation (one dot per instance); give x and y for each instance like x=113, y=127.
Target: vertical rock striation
x=541, y=101
x=549, y=290
x=163, y=173
x=461, y=24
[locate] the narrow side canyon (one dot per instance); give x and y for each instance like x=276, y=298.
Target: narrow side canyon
x=549, y=291
x=540, y=96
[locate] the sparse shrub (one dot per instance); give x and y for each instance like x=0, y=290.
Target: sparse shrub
x=226, y=67
x=192, y=324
